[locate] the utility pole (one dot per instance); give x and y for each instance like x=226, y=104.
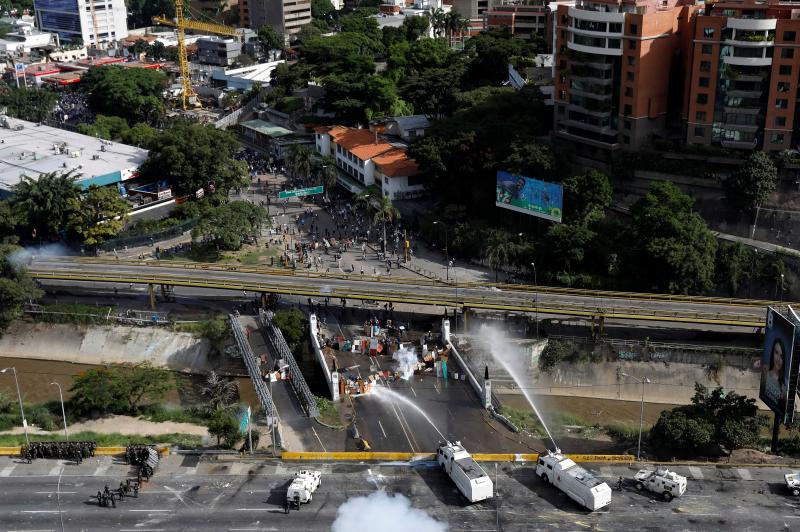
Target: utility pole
x=641, y=413
x=19, y=396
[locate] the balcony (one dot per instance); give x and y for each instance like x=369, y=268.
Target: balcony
x=734, y=93
x=598, y=16
x=583, y=93
x=748, y=128
x=752, y=24
x=740, y=144
x=597, y=50
x=747, y=61
x=599, y=112
x=564, y=134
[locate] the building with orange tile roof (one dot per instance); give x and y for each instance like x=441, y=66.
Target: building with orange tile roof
x=369, y=159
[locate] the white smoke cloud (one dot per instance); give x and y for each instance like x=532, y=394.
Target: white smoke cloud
x=407, y=362
x=24, y=256
x=387, y=513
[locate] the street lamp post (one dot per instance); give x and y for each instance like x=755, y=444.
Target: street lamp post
x=536, y=300
x=446, y=253
x=19, y=396
x=641, y=413
x=63, y=414
x=782, y=278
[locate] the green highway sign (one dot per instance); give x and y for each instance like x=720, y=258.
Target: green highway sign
x=296, y=193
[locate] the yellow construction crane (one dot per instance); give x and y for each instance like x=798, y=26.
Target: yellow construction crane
x=182, y=24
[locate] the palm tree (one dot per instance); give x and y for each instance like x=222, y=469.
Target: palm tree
x=44, y=202
x=455, y=24
x=500, y=250
x=385, y=212
x=438, y=19
x=326, y=170
x=299, y=160
x=219, y=391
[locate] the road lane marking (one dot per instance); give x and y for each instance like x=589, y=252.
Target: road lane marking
x=141, y=530
x=40, y=511
x=791, y=516
x=38, y=530
x=51, y=492
x=696, y=472
x=100, y=470
x=55, y=471
x=149, y=510
x=319, y=440
x=745, y=474
x=412, y=391
x=251, y=509
x=381, y=426
x=7, y=470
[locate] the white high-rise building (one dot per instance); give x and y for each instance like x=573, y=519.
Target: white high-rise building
x=94, y=22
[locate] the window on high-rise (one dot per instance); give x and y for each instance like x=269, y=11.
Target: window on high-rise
x=702, y=98
x=703, y=82
x=628, y=110
x=705, y=66
x=700, y=116
x=699, y=132
x=628, y=91
x=629, y=76
x=785, y=70
x=632, y=44
x=782, y=103
x=787, y=53
x=780, y=121
x=631, y=60
x=784, y=86
x=708, y=32
x=633, y=28
x=789, y=35
x=706, y=49
x=777, y=138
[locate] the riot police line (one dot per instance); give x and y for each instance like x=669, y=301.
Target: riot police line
x=145, y=458
x=65, y=450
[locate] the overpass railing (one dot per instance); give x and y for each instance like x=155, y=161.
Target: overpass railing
x=251, y=362
x=281, y=349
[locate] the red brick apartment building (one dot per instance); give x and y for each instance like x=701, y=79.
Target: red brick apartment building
x=742, y=90
x=724, y=73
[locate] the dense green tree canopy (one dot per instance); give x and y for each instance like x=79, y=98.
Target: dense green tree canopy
x=673, y=248
x=228, y=225
x=105, y=127
x=322, y=9
x=31, y=104
x=719, y=416
x=751, y=185
x=98, y=215
x=43, y=204
x=131, y=93
x=16, y=286
x=193, y=156
x=119, y=389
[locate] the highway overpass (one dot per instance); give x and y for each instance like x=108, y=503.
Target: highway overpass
x=600, y=306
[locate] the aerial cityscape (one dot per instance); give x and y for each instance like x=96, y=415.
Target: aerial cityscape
x=429, y=265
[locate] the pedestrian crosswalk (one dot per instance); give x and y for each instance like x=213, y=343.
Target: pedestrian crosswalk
x=691, y=472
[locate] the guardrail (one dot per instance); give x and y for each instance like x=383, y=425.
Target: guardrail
x=99, y=451
x=383, y=279
x=252, y=367
x=281, y=348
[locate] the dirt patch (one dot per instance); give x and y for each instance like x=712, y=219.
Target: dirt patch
x=127, y=425
x=752, y=456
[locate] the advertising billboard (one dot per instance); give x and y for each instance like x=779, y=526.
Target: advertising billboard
x=529, y=196
x=775, y=362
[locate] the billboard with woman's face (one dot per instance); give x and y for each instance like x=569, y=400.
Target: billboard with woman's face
x=776, y=361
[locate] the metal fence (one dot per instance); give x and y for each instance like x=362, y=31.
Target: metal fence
x=139, y=318
x=233, y=118
x=251, y=362
x=281, y=349
x=148, y=238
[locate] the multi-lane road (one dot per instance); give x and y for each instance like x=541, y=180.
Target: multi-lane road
x=194, y=494
x=669, y=310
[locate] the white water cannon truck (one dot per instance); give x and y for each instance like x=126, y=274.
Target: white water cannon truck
x=470, y=478
x=793, y=483
x=579, y=484
x=668, y=483
x=302, y=488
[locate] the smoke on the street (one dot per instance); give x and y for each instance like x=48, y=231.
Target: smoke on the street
x=24, y=256
x=384, y=512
